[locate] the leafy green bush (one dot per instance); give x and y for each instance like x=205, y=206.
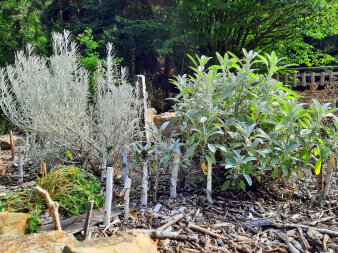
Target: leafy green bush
x=255, y=127
x=67, y=185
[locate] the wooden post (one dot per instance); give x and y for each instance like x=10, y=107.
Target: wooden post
x=322, y=78
x=12, y=144
x=277, y=77
x=109, y=196
x=126, y=197
x=125, y=168
x=157, y=179
x=294, y=76
x=53, y=207
x=20, y=165
x=286, y=79
x=312, y=76
x=330, y=76
x=144, y=93
x=303, y=79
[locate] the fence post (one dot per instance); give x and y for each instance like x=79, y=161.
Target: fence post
x=294, y=76
x=322, y=78
x=303, y=79
x=286, y=81
x=312, y=76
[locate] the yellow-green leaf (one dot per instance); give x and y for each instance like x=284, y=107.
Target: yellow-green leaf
x=318, y=166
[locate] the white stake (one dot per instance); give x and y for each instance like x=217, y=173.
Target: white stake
x=20, y=165
x=103, y=165
x=144, y=91
x=109, y=196
x=125, y=169
x=144, y=195
x=174, y=174
x=209, y=183
x=126, y=198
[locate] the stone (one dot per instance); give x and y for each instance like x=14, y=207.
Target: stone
x=46, y=242
x=151, y=113
x=164, y=117
x=127, y=242
x=5, y=143
x=13, y=223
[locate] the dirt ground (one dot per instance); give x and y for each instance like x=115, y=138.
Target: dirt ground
x=275, y=217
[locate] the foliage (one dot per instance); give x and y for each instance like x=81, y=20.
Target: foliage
x=67, y=185
x=48, y=98
x=253, y=125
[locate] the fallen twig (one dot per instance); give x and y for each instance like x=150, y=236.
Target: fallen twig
x=171, y=222
x=53, y=207
x=164, y=234
x=304, y=242
x=292, y=248
x=291, y=225
x=203, y=230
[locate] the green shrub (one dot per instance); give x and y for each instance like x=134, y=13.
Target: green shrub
x=253, y=125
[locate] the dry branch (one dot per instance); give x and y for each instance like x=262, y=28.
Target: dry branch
x=170, y=235
x=53, y=207
x=321, y=230
x=203, y=230
x=171, y=222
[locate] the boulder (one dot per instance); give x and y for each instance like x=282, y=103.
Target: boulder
x=47, y=242
x=5, y=143
x=164, y=117
x=13, y=223
x=127, y=242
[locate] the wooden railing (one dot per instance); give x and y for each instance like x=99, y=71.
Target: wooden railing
x=306, y=78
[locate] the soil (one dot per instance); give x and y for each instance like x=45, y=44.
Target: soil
x=263, y=219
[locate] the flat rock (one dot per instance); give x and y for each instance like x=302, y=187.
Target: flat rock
x=47, y=242
x=127, y=242
x=13, y=223
x=5, y=143
x=164, y=117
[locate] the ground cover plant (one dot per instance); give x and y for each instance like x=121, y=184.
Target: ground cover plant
x=68, y=185
x=243, y=121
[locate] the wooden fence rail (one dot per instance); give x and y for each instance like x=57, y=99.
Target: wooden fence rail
x=305, y=79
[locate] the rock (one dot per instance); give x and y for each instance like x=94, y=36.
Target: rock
x=47, y=242
x=13, y=223
x=315, y=235
x=151, y=113
x=167, y=116
x=5, y=143
x=127, y=242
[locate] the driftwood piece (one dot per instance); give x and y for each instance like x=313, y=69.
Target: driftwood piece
x=171, y=222
x=164, y=234
x=53, y=207
x=88, y=218
x=326, y=183
x=209, y=183
x=304, y=242
x=203, y=230
x=260, y=222
x=174, y=174
x=254, y=212
x=145, y=178
x=75, y=224
x=321, y=230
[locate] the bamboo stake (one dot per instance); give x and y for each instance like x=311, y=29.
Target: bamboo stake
x=20, y=165
x=12, y=144
x=144, y=194
x=174, y=174
x=53, y=207
x=88, y=218
x=126, y=197
x=144, y=92
x=109, y=196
